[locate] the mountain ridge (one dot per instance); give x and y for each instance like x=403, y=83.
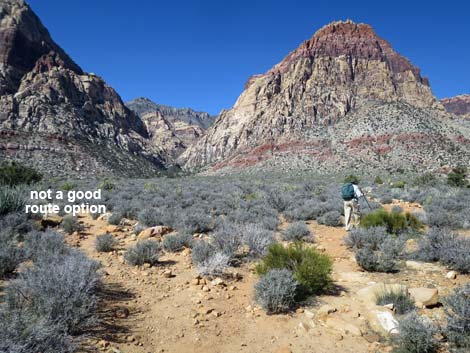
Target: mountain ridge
x=51, y=112
x=343, y=69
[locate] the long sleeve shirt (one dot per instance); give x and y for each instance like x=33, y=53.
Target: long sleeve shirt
x=357, y=191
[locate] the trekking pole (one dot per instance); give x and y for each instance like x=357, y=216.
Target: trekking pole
x=367, y=202
x=365, y=198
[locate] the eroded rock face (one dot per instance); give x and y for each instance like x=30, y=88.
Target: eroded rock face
x=458, y=105
x=142, y=106
x=302, y=104
x=172, y=136
x=56, y=113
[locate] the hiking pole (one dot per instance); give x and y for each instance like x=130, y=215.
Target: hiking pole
x=365, y=198
x=367, y=202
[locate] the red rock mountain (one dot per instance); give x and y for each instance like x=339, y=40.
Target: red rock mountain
x=55, y=116
x=458, y=105
x=343, y=98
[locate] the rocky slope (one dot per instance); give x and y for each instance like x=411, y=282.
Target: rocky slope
x=326, y=96
x=458, y=105
x=57, y=117
x=142, y=106
x=173, y=129
x=173, y=137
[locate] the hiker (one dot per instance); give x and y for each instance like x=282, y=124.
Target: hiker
x=351, y=194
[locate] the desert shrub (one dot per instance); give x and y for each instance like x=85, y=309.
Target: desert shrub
x=457, y=308
x=12, y=199
x=421, y=216
x=380, y=259
x=456, y=255
x=67, y=186
x=401, y=300
x=276, y=200
x=426, y=179
x=22, y=331
x=63, y=291
x=105, y=242
x=14, y=226
x=372, y=237
x=305, y=211
x=351, y=179
x=375, y=261
x=214, y=265
x=45, y=246
x=149, y=217
x=447, y=247
x=257, y=239
x=10, y=257
x=115, y=218
x=397, y=209
x=177, y=242
x=458, y=177
x=311, y=269
x=331, y=218
x=440, y=218
x=70, y=224
x=14, y=173
x=202, y=250
x=276, y=291
x=416, y=335
x=395, y=223
x=226, y=239
x=145, y=251
x=196, y=221
x=297, y=231
x=378, y=180
x=400, y=184
x=106, y=184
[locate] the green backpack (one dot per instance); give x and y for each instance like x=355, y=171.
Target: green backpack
x=347, y=192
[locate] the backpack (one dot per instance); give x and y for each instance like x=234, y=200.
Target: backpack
x=347, y=192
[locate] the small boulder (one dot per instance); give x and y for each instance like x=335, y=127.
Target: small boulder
x=326, y=310
x=51, y=220
x=217, y=282
x=424, y=297
x=422, y=266
x=167, y=274
x=382, y=322
x=451, y=275
x=157, y=231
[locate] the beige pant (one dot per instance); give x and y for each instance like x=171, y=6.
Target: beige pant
x=351, y=213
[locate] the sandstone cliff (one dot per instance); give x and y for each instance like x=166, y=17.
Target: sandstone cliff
x=309, y=106
x=56, y=116
x=458, y=105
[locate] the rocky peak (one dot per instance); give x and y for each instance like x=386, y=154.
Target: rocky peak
x=23, y=40
x=142, y=106
x=343, y=69
x=354, y=41
x=458, y=105
x=68, y=122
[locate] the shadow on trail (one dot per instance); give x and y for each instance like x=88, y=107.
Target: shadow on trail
x=113, y=315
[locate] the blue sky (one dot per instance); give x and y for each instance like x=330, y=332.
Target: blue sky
x=199, y=54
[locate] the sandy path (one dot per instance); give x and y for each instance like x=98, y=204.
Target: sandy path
x=176, y=315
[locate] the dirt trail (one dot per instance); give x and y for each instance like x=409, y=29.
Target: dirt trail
x=148, y=312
